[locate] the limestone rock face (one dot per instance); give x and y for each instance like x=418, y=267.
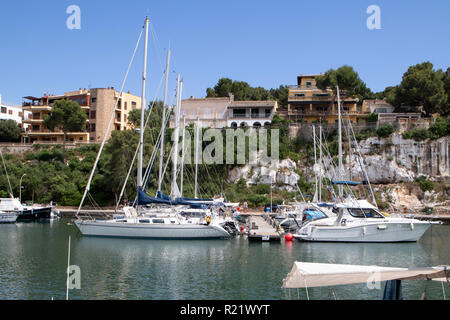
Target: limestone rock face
x=282, y=173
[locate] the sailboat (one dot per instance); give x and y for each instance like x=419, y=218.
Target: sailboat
x=163, y=224
x=351, y=220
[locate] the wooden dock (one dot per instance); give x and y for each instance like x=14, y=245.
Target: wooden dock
x=261, y=230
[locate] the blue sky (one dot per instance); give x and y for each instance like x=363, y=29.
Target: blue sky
x=265, y=43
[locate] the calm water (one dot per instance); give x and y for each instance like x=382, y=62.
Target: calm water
x=33, y=259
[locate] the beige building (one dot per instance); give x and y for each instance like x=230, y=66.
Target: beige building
x=308, y=103
x=98, y=104
x=226, y=112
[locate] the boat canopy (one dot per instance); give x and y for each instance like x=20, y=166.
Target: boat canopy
x=307, y=275
x=161, y=198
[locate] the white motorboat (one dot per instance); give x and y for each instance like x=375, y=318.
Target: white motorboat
x=357, y=221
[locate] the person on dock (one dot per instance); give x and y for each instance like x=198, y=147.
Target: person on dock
x=245, y=207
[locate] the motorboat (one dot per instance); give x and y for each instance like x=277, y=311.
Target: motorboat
x=8, y=217
x=13, y=205
x=357, y=221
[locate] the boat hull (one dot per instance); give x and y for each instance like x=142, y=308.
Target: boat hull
x=377, y=232
x=150, y=231
x=35, y=214
x=8, y=218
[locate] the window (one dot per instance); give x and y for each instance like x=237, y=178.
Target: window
x=3, y=109
x=268, y=113
x=92, y=129
x=20, y=114
x=93, y=114
x=93, y=100
x=299, y=95
x=313, y=214
x=10, y=112
x=36, y=128
x=308, y=83
x=144, y=220
x=158, y=220
x=133, y=105
x=364, y=213
x=125, y=105
x=321, y=94
x=239, y=113
x=125, y=118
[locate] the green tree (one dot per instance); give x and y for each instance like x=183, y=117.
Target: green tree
x=242, y=91
x=422, y=88
x=67, y=116
x=348, y=80
x=9, y=131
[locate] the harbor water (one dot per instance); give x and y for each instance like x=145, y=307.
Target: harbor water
x=33, y=264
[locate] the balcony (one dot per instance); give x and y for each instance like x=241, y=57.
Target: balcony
x=311, y=99
x=29, y=107
x=251, y=116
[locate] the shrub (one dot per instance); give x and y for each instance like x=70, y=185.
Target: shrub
x=363, y=135
x=257, y=200
x=441, y=127
x=418, y=134
x=373, y=117
x=425, y=184
x=262, y=189
x=385, y=130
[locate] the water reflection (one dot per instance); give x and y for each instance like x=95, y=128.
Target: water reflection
x=33, y=259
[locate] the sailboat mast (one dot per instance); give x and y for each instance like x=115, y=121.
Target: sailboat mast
x=315, y=164
x=197, y=142
x=163, y=122
x=143, y=103
x=182, y=156
x=174, y=192
x=339, y=143
x=320, y=163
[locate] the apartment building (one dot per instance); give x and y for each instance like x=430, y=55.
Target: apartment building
x=308, y=103
x=8, y=112
x=226, y=112
x=98, y=104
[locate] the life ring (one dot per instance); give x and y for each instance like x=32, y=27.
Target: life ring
x=208, y=219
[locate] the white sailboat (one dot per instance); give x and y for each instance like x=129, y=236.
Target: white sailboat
x=164, y=224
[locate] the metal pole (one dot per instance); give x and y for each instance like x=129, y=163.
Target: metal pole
x=163, y=130
x=197, y=142
x=320, y=163
x=143, y=107
x=176, y=137
x=182, y=157
x=68, y=266
x=339, y=143
x=20, y=187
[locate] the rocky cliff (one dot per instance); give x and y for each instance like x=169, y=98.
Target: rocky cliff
x=392, y=165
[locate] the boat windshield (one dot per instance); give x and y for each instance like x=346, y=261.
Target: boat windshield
x=313, y=214
x=364, y=213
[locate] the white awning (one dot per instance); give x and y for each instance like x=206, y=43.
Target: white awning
x=307, y=275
